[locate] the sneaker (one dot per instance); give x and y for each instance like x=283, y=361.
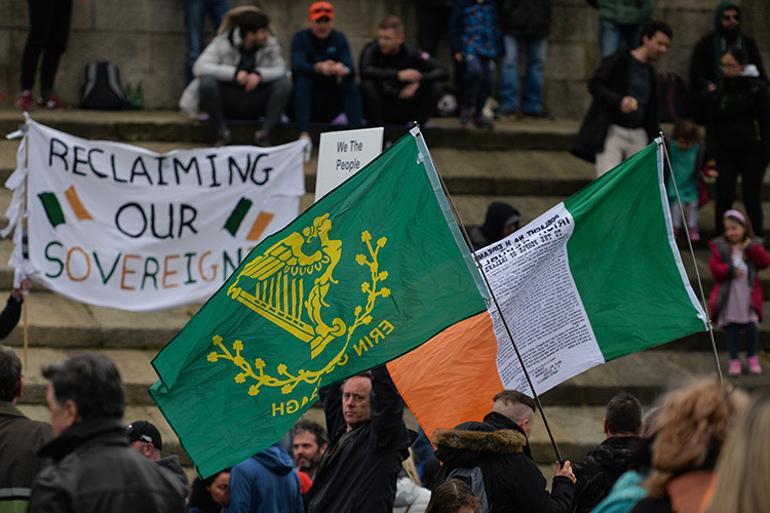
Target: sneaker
x=754, y=365
x=261, y=140
x=308, y=149
x=735, y=368
x=694, y=234
x=52, y=102
x=25, y=101
x=483, y=123
x=223, y=138
x=466, y=115
x=542, y=114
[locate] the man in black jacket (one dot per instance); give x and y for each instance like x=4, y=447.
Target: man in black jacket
x=623, y=116
x=705, y=73
x=368, y=442
x=499, y=447
x=20, y=437
x=399, y=82
x=601, y=467
x=94, y=469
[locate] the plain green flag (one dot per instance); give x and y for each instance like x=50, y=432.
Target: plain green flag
x=371, y=271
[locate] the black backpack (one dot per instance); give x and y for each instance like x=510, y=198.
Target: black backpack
x=475, y=480
x=102, y=88
x=674, y=102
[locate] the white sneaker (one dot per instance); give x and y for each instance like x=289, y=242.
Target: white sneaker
x=308, y=149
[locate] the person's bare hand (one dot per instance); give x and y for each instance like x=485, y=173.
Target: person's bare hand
x=458, y=56
x=324, y=67
x=242, y=76
x=23, y=290
x=252, y=81
x=739, y=273
x=409, y=90
x=565, y=471
x=340, y=70
x=711, y=87
x=409, y=75
x=628, y=104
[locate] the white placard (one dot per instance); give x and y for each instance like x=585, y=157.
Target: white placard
x=120, y=226
x=342, y=154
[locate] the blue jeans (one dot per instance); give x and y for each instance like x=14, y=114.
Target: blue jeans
x=732, y=331
x=477, y=83
x=321, y=99
x=195, y=12
x=614, y=36
x=536, y=49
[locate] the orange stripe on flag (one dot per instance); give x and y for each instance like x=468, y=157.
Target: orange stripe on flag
x=451, y=378
x=260, y=223
x=72, y=198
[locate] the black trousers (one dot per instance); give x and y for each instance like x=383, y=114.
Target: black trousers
x=228, y=100
x=49, y=28
x=749, y=164
x=381, y=109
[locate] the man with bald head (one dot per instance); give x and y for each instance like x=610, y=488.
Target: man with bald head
x=368, y=440
x=499, y=447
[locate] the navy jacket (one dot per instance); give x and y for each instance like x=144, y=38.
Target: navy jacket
x=307, y=50
x=265, y=483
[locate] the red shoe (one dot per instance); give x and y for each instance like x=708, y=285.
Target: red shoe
x=25, y=101
x=52, y=102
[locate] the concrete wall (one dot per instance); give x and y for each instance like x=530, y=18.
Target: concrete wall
x=146, y=39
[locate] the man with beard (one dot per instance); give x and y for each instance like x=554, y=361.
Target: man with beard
x=705, y=73
x=601, y=467
x=308, y=442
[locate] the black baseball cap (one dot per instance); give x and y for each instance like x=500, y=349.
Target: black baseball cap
x=144, y=431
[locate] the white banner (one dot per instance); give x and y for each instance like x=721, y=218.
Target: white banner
x=120, y=226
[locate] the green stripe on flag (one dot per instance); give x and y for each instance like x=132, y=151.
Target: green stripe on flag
x=236, y=216
x=52, y=208
x=624, y=263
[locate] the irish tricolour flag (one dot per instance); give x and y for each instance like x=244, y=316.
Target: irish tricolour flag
x=596, y=277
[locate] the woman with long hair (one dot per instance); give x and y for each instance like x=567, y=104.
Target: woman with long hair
x=210, y=495
x=453, y=496
x=741, y=481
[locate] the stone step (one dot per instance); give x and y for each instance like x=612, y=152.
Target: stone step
x=171, y=126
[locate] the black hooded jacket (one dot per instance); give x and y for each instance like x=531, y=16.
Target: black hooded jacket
x=95, y=470
x=499, y=447
x=600, y=468
x=704, y=66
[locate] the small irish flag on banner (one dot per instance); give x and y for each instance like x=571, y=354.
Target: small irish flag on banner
x=596, y=277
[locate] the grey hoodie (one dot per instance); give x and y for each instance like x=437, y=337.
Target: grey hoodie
x=220, y=59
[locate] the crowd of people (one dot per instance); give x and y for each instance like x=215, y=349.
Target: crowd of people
x=702, y=448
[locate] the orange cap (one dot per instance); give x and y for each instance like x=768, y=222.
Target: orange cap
x=320, y=10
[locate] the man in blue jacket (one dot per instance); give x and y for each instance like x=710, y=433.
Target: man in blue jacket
x=265, y=483
x=322, y=71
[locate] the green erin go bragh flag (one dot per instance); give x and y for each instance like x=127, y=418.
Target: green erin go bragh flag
x=368, y=273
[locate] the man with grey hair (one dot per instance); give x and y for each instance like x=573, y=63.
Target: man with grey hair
x=20, y=438
x=94, y=469
x=499, y=448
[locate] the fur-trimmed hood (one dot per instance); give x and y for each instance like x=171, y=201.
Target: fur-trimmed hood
x=472, y=441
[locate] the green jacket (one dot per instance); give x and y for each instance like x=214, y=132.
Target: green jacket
x=20, y=439
x=635, y=12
